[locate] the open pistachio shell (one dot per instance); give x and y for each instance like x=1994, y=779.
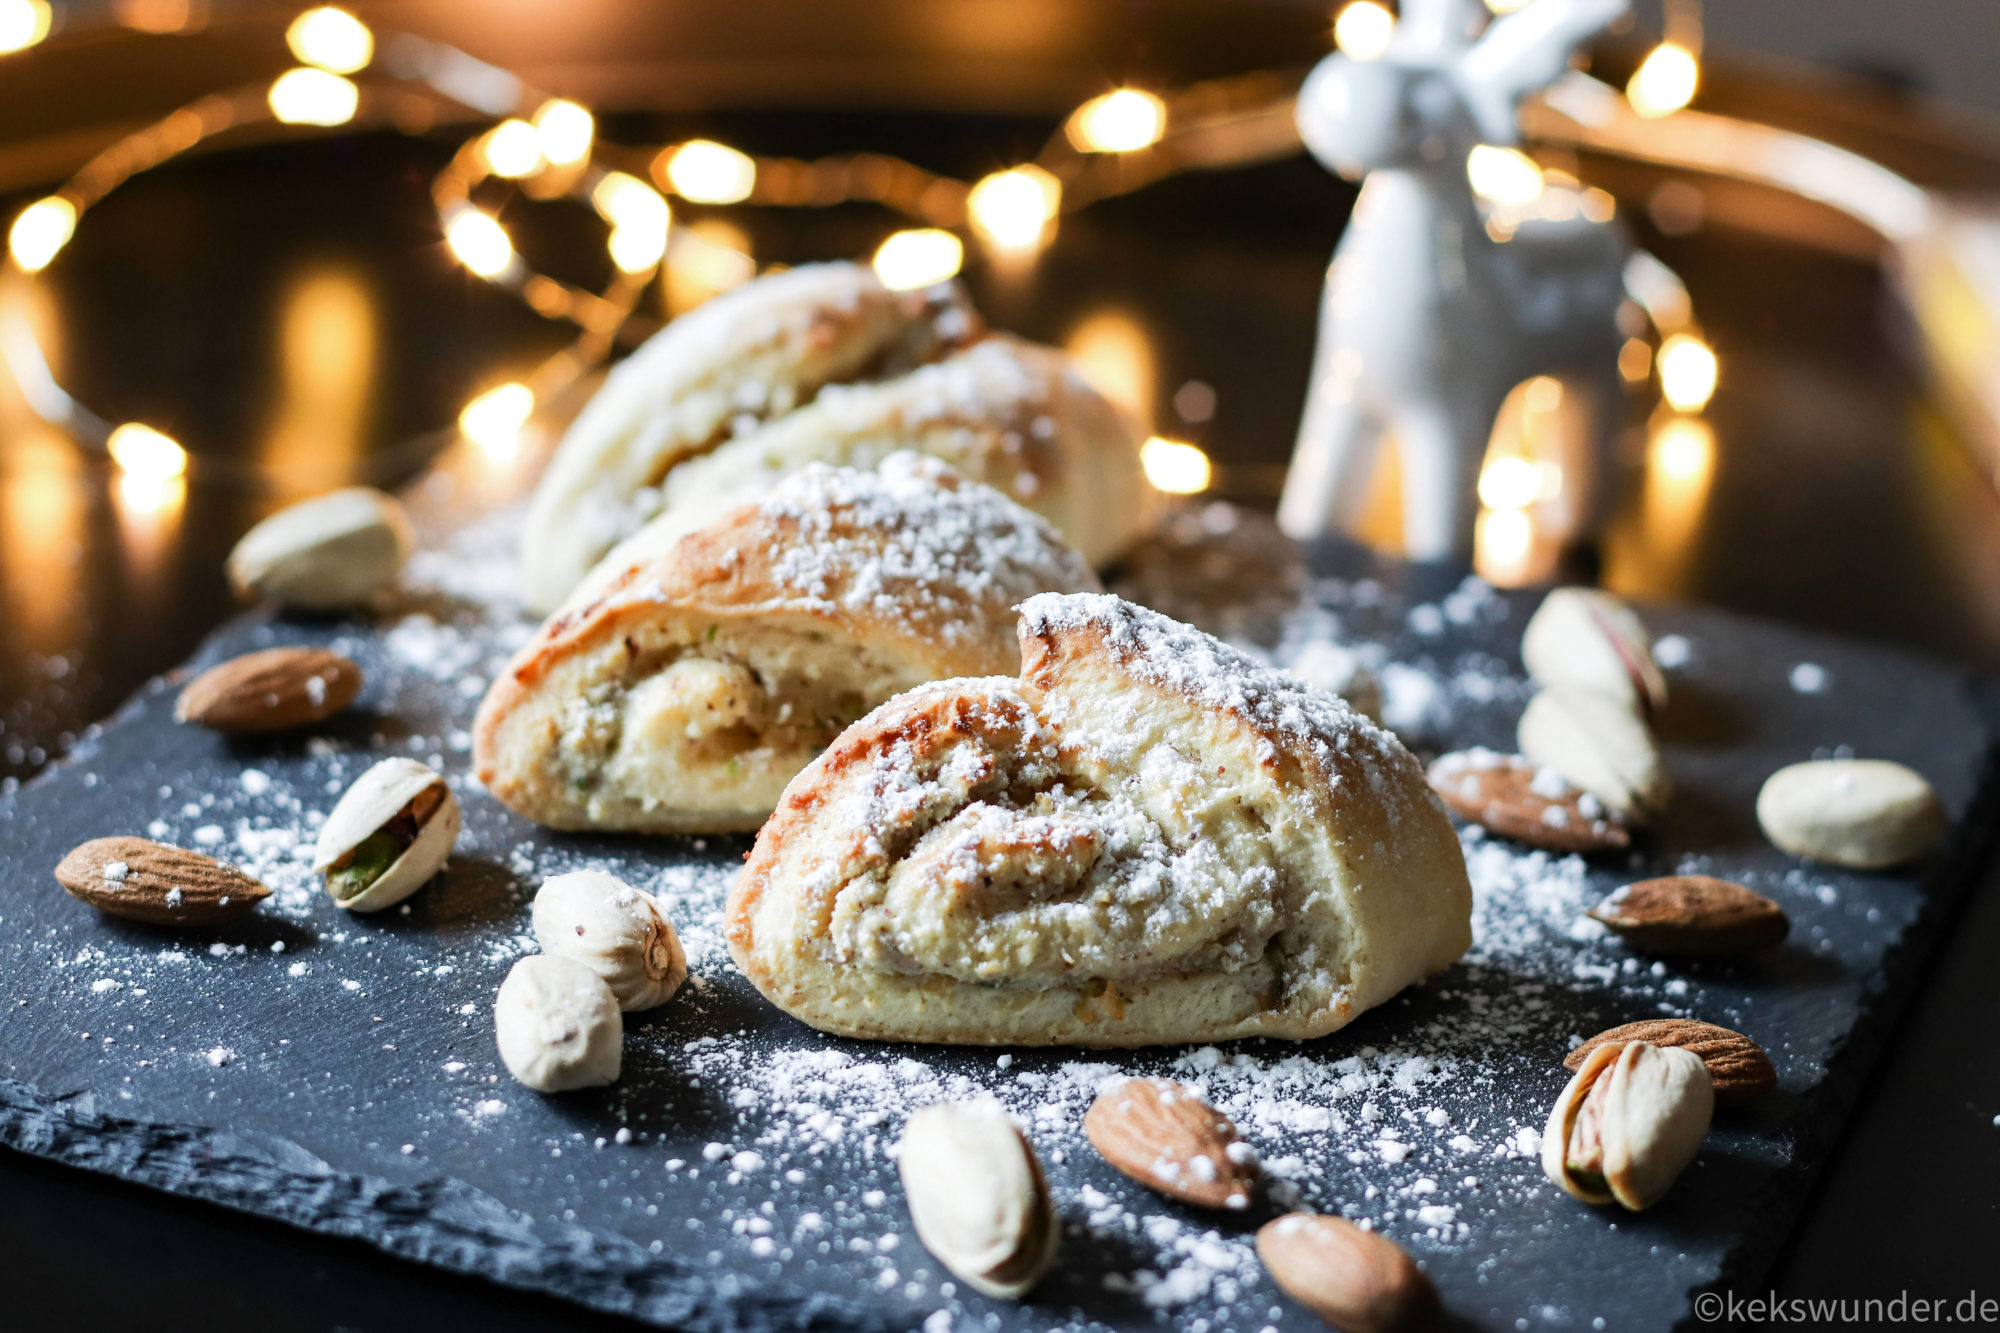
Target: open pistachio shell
x=978, y=1197
x=1585, y=639
x=398, y=798
x=1653, y=1113
x=1599, y=745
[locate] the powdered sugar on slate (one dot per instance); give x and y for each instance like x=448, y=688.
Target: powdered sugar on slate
x=768, y=1147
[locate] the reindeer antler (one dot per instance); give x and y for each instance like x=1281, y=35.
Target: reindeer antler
x=1522, y=52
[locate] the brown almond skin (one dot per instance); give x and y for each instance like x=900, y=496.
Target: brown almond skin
x=211, y=892
x=1144, y=1121
x=1502, y=801
x=1738, y=1066
x=272, y=690
x=1355, y=1280
x=1693, y=916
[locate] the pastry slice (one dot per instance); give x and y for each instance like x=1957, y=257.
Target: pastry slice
x=687, y=693
x=1008, y=413
x=746, y=357
x=1145, y=837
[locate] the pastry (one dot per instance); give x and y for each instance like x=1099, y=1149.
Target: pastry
x=1008, y=413
x=745, y=357
x=1146, y=837
x=685, y=695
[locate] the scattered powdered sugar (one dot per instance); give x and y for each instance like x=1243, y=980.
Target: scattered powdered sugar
x=913, y=539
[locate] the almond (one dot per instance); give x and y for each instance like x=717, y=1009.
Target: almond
x=1355, y=1280
x=277, y=689
x=150, y=881
x=1167, y=1138
x=1695, y=916
x=1507, y=795
x=1737, y=1065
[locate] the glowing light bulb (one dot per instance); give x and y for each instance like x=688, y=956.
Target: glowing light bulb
x=921, y=258
x=479, y=242
x=708, y=172
x=142, y=452
x=1123, y=121
x=566, y=131
x=494, y=419
x=331, y=39
x=1688, y=372
x=512, y=149
x=313, y=97
x=1664, y=82
x=1504, y=176
x=1363, y=29
x=1503, y=540
x=1509, y=483
x=1012, y=209
x=23, y=23
x=1505, y=6
x=628, y=201
x=40, y=232
x=634, y=249
x=1174, y=466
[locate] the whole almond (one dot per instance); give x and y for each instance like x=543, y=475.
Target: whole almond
x=1693, y=916
x=1167, y=1138
x=1507, y=795
x=278, y=689
x=1737, y=1065
x=150, y=881
x=1355, y=1280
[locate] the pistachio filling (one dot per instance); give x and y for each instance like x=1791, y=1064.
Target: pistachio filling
x=364, y=865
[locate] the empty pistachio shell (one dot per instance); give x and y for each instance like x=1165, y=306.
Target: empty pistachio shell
x=332, y=551
x=1585, y=639
x=1628, y=1124
x=390, y=833
x=557, y=1025
x=1598, y=744
x=1868, y=814
x=614, y=930
x=978, y=1197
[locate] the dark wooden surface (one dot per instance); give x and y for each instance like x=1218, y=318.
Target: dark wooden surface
x=1840, y=500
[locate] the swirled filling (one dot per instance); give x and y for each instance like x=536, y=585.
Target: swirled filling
x=1004, y=859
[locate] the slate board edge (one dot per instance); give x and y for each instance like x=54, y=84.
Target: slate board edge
x=440, y=1222
x=1966, y=867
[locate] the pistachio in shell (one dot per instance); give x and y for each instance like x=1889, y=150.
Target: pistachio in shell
x=388, y=835
x=1628, y=1124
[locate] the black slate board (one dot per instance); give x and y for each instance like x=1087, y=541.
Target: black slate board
x=338, y=1073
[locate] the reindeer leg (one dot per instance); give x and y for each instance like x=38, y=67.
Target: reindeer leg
x=1327, y=483
x=1442, y=448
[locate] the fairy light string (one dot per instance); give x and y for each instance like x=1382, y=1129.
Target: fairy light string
x=543, y=147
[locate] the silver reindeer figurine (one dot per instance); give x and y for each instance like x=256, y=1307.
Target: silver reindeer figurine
x=1428, y=321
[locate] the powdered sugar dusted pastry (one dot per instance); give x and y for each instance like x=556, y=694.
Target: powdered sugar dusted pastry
x=1013, y=415
x=687, y=693
x=745, y=357
x=1147, y=837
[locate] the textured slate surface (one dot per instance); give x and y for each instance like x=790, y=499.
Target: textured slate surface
x=348, y=1084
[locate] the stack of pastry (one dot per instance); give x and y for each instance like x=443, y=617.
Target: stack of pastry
x=844, y=548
